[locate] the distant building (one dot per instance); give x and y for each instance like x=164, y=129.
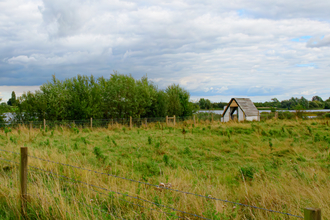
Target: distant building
x=240, y=109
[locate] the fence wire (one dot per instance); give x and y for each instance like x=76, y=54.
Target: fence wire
x=175, y=190
x=157, y=186
x=137, y=198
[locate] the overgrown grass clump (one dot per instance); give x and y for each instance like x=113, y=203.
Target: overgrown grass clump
x=282, y=165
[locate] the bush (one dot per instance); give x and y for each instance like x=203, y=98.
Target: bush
x=248, y=172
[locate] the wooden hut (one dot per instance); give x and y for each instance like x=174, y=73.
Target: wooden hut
x=240, y=109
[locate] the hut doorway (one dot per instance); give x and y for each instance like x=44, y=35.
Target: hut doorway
x=234, y=113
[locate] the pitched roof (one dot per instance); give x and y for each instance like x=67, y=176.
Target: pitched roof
x=246, y=105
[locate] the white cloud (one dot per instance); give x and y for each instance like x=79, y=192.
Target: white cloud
x=221, y=47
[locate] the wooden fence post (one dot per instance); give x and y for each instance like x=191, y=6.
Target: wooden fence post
x=130, y=122
x=91, y=123
x=166, y=121
x=146, y=122
x=23, y=179
x=194, y=120
x=44, y=124
x=276, y=115
x=30, y=125
x=312, y=214
x=174, y=119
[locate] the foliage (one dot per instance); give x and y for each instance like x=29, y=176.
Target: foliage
x=12, y=101
x=120, y=96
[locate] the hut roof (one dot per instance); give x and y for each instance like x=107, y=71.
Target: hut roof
x=246, y=105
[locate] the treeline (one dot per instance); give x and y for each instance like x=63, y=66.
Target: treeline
x=297, y=103
x=290, y=104
x=207, y=104
x=120, y=96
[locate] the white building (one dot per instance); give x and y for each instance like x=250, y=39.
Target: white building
x=240, y=109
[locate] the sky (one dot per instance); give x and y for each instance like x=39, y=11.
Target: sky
x=215, y=49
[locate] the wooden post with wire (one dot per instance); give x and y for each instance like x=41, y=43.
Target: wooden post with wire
x=23, y=179
x=130, y=122
x=312, y=214
x=91, y=123
x=166, y=121
x=44, y=124
x=30, y=125
x=174, y=119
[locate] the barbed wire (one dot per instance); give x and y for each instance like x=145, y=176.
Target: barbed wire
x=175, y=190
x=157, y=186
x=8, y=151
x=9, y=161
x=157, y=204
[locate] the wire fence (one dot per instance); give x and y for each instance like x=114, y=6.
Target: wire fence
x=140, y=202
x=107, y=123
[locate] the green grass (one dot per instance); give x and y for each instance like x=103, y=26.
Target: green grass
x=282, y=165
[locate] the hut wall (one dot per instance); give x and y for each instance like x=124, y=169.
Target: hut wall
x=240, y=114
x=226, y=116
x=253, y=118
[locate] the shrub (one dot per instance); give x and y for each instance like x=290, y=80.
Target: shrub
x=248, y=172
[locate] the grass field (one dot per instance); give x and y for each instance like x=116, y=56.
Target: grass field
x=283, y=165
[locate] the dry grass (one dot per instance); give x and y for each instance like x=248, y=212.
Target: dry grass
x=232, y=161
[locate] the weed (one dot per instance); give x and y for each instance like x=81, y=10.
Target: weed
x=187, y=151
x=7, y=130
x=149, y=140
x=13, y=139
x=248, y=172
x=270, y=145
x=166, y=159
x=114, y=142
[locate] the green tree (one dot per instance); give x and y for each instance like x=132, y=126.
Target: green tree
x=202, y=103
x=12, y=101
x=2, y=111
x=317, y=98
x=304, y=103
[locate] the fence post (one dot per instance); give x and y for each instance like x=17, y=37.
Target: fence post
x=23, y=179
x=174, y=119
x=130, y=122
x=276, y=115
x=145, y=121
x=194, y=120
x=91, y=123
x=44, y=124
x=166, y=121
x=312, y=214
x=30, y=125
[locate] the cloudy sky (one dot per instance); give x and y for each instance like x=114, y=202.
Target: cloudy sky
x=215, y=49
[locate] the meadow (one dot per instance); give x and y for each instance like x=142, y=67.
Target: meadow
x=282, y=165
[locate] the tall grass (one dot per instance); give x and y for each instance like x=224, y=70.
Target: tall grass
x=282, y=165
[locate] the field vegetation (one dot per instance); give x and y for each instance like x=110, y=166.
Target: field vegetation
x=283, y=165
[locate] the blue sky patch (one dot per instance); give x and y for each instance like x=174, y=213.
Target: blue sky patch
x=301, y=39
x=306, y=65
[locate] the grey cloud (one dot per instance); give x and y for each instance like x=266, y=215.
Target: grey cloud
x=199, y=44
x=317, y=42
